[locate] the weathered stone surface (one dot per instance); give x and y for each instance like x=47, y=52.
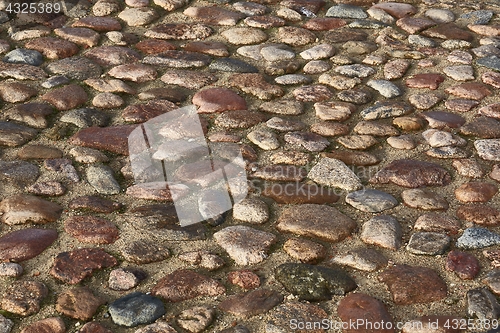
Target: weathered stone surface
x=20, y=209
x=24, y=297
x=464, y=264
x=79, y=303
x=383, y=230
x=364, y=259
x=52, y=325
x=25, y=244
x=252, y=303
x=359, y=307
x=481, y=214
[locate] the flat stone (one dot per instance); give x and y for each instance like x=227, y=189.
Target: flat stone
x=413, y=284
x=468, y=168
x=67, y=97
x=283, y=313
x=178, y=59
x=76, y=68
x=24, y=297
x=50, y=188
x=362, y=308
x=170, y=5
x=310, y=141
x=10, y=269
x=337, y=111
x=424, y=101
x=477, y=238
x=32, y=114
x=18, y=173
x=447, y=152
x=138, y=16
x=339, y=82
x=196, y=319
x=22, y=71
x=245, y=245
x=24, y=56
x=304, y=250
x=251, y=210
x=179, y=31
x=284, y=125
x=252, y=303
x=113, y=139
x=232, y=65
x=395, y=69
x=428, y=243
x=492, y=280
x=244, y=36
x=488, y=149
x=245, y=279
x=441, y=119
x=138, y=113
x=295, y=36
x=133, y=72
x=473, y=90
x=495, y=173
x=374, y=128
x=144, y=252
x=256, y=85
x=324, y=24
x=91, y=229
x=330, y=224
x=333, y=172
x=383, y=230
x=356, y=70
x=492, y=62
x=370, y=200
x=346, y=11
x=94, y=327
x=424, y=199
x=74, y=266
x=112, y=55
x=475, y=192
x=25, y=244
x=20, y=209
x=250, y=8
x=52, y=48
x=464, y=264
x=78, y=303
x=427, y=80
x=460, y=73
x=440, y=15
x=483, y=128
x=121, y=279
x=203, y=259
x=477, y=16
x=100, y=24
x=396, y=9
x=14, y=92
x=326, y=128
x=481, y=303
x=354, y=157
x=448, y=31
x=385, y=109
x=217, y=100
x=402, y=142
x=211, y=48
x=81, y=36
x=460, y=104
x=186, y=284
x=264, y=22
x=316, y=67
x=155, y=46
x=85, y=117
x=412, y=174
x=414, y=25
x=12, y=134
x=136, y=308
x=492, y=255
x=293, y=79
x=313, y=283
x=363, y=259
x=358, y=142
x=314, y=93
x=299, y=193
x=53, y=324
x=283, y=106
x=245, y=119
x=492, y=111
x=356, y=96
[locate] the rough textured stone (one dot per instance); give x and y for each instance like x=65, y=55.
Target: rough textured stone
x=79, y=303
x=24, y=297
x=252, y=303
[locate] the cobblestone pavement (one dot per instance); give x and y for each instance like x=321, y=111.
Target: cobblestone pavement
x=371, y=139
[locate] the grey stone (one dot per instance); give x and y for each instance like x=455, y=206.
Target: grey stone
x=363, y=259
x=277, y=53
x=266, y=140
x=291, y=79
x=428, y=243
x=101, y=178
x=24, y=56
x=440, y=15
x=232, y=65
x=384, y=231
x=488, y=149
x=135, y=309
x=448, y=152
x=76, y=68
x=366, y=24
x=356, y=70
x=6, y=325
x=55, y=81
x=370, y=200
x=477, y=238
x=314, y=283
x=460, y=73
x=251, y=210
x=333, y=172
x=492, y=62
x=310, y=141
x=481, y=303
x=386, y=109
x=85, y=117
x=385, y=88
x=346, y=11
x=12, y=134
x=18, y=172
x=478, y=16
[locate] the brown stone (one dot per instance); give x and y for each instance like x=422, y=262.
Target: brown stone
x=33, y=114
x=413, y=284
x=93, y=327
x=483, y=128
x=492, y=111
x=464, y=264
x=74, y=266
x=470, y=90
x=186, y=284
x=214, y=15
x=481, y=214
x=316, y=93
x=295, y=36
x=495, y=173
x=30, y=152
x=179, y=31
x=357, y=158
x=112, y=55
x=460, y=104
x=264, y=22
x=94, y=204
x=113, y=139
x=485, y=30
x=299, y=193
x=424, y=199
x=441, y=119
x=448, y=31
x=144, y=252
x=67, y=97
x=320, y=221
x=412, y=174
x=91, y=229
x=475, y=192
x=239, y=119
x=18, y=209
x=324, y=23
x=312, y=5
x=78, y=303
x=255, y=84
x=344, y=35
x=337, y=111
x=283, y=314
x=326, y=128
x=139, y=113
x=361, y=307
x=133, y=72
x=154, y=46
x=252, y=303
x=100, y=24
x=425, y=80
x=53, y=48
x=245, y=279
x=48, y=325
x=217, y=49
x=280, y=173
x=491, y=78
x=414, y=25
x=437, y=223
x=24, y=297
x=25, y=244
x=218, y=100
x=396, y=9
x=14, y=92
x=408, y=123
x=153, y=191
x=82, y=36
x=304, y=250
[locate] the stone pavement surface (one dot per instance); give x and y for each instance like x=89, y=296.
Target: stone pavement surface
x=370, y=132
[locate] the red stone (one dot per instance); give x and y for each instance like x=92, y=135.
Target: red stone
x=448, y=31
x=112, y=55
x=413, y=25
x=53, y=48
x=324, y=23
x=464, y=264
x=67, y=97
x=218, y=100
x=113, y=139
x=25, y=244
x=441, y=119
x=95, y=204
x=101, y=24
x=154, y=46
x=475, y=192
x=413, y=284
x=48, y=325
x=139, y=113
x=491, y=78
x=470, y=90
x=74, y=266
x=91, y=229
x=246, y=279
x=425, y=80
x=78, y=303
x=358, y=306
